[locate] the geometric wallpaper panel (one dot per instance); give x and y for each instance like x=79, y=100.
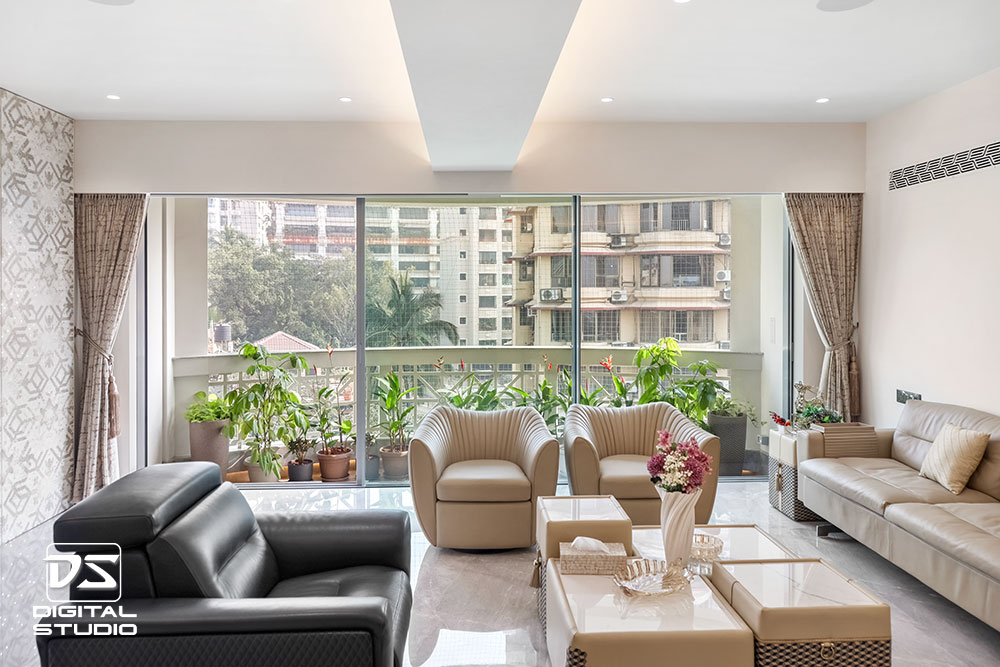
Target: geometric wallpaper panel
x=37, y=307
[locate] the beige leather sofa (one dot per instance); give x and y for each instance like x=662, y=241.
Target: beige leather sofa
x=950, y=542
x=607, y=450
x=475, y=476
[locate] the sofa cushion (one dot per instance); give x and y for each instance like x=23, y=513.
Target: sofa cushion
x=484, y=480
x=625, y=476
x=968, y=532
x=363, y=581
x=954, y=456
x=876, y=483
x=920, y=423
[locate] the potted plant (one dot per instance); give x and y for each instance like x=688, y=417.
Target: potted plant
x=390, y=393
x=207, y=417
x=300, y=469
x=336, y=432
x=258, y=411
x=729, y=419
x=372, y=459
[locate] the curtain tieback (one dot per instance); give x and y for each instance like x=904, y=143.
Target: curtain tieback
x=839, y=347
x=114, y=426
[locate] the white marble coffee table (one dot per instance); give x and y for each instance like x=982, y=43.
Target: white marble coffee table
x=739, y=542
x=564, y=518
x=592, y=623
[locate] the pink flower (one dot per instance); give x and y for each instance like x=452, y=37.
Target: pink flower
x=655, y=464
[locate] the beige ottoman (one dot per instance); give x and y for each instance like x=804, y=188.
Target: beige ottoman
x=805, y=613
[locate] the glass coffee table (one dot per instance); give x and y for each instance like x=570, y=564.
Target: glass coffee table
x=739, y=542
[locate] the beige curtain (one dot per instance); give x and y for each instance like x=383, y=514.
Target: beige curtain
x=826, y=231
x=108, y=227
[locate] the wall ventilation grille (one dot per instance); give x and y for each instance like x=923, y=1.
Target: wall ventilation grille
x=943, y=167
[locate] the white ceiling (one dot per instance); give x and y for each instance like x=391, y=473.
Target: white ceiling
x=207, y=59
x=478, y=66
x=478, y=71
x=765, y=60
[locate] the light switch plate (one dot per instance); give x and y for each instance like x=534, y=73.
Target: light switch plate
x=902, y=396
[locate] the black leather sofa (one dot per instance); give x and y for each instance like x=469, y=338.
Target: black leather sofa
x=211, y=583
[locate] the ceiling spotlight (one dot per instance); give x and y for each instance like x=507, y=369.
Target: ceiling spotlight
x=841, y=5
x=607, y=99
x=345, y=99
x=681, y=2
x=114, y=3
x=823, y=100
x=113, y=97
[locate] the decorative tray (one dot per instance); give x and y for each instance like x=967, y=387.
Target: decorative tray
x=706, y=548
x=653, y=577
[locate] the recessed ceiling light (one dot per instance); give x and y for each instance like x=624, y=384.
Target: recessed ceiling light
x=345, y=99
x=841, y=5
x=114, y=3
x=113, y=97
x=823, y=100
x=681, y=2
x=607, y=99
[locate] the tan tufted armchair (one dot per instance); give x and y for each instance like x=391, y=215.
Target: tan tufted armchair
x=475, y=476
x=607, y=450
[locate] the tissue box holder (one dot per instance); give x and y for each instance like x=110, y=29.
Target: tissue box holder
x=574, y=561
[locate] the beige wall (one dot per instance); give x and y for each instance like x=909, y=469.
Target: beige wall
x=928, y=298
x=370, y=158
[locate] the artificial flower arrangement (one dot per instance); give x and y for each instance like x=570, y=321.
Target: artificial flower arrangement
x=678, y=466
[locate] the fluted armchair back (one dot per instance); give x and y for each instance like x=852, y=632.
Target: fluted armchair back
x=594, y=433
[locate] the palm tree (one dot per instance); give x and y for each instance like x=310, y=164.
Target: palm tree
x=408, y=319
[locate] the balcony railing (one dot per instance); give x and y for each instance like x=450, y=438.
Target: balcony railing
x=436, y=371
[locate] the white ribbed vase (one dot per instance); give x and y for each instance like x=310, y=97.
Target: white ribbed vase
x=677, y=523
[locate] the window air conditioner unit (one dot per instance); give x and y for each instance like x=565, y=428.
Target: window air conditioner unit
x=619, y=241
x=619, y=296
x=726, y=294
x=555, y=294
x=723, y=276
x=725, y=240
x=724, y=345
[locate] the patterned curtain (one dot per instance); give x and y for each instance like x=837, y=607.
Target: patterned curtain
x=108, y=227
x=826, y=231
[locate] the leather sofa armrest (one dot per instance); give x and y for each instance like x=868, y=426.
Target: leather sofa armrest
x=582, y=456
x=885, y=436
x=539, y=457
x=176, y=620
x=809, y=445
x=309, y=542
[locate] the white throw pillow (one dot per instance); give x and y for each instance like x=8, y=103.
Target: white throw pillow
x=954, y=456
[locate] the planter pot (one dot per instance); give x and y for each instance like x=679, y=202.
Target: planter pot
x=334, y=467
x=209, y=444
x=300, y=472
x=257, y=474
x=677, y=523
x=371, y=467
x=732, y=432
x=395, y=465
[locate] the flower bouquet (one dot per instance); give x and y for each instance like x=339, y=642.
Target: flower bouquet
x=678, y=471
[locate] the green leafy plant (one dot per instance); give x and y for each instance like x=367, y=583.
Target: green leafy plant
x=695, y=394
x=726, y=406
x=390, y=393
x=587, y=397
x=207, y=408
x=336, y=432
x=656, y=364
x=816, y=413
x=297, y=427
x=469, y=394
x=544, y=398
x=258, y=412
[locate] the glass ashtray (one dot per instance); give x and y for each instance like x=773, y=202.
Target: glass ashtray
x=653, y=577
x=706, y=548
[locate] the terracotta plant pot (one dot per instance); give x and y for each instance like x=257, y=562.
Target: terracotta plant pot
x=209, y=444
x=334, y=464
x=258, y=475
x=371, y=467
x=300, y=472
x=395, y=465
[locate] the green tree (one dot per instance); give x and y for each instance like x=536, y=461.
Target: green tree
x=263, y=289
x=408, y=318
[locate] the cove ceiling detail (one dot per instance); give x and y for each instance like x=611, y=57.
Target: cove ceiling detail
x=478, y=71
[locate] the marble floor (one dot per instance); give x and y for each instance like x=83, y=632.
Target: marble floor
x=477, y=609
